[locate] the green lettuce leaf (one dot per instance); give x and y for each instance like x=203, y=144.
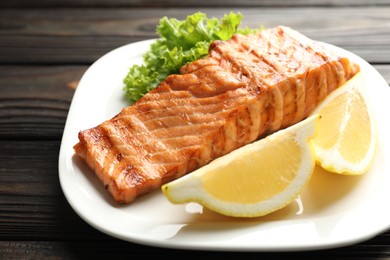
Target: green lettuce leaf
x=179, y=43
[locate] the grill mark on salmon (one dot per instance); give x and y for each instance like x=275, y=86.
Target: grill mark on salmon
x=246, y=88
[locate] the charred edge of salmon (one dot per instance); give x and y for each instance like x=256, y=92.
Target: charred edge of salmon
x=246, y=88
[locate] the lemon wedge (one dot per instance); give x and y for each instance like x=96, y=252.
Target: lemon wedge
x=254, y=180
x=346, y=137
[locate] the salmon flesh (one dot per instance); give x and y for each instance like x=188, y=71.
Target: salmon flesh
x=245, y=88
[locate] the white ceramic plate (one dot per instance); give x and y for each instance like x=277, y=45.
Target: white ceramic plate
x=332, y=211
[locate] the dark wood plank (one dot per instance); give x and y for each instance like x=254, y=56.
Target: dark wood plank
x=32, y=205
x=34, y=100
x=44, y=51
x=189, y=3
x=116, y=249
x=34, y=212
x=80, y=36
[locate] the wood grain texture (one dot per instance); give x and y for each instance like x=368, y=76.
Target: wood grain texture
x=45, y=48
x=36, y=221
x=80, y=36
x=34, y=100
x=188, y=3
x=115, y=249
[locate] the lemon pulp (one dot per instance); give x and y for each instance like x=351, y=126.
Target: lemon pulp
x=254, y=180
x=346, y=135
x=276, y=174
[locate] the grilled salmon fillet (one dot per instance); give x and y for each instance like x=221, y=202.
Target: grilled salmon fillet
x=245, y=88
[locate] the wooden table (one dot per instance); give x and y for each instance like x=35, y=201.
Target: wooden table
x=46, y=46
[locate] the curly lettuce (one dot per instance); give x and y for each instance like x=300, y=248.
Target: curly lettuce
x=179, y=43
